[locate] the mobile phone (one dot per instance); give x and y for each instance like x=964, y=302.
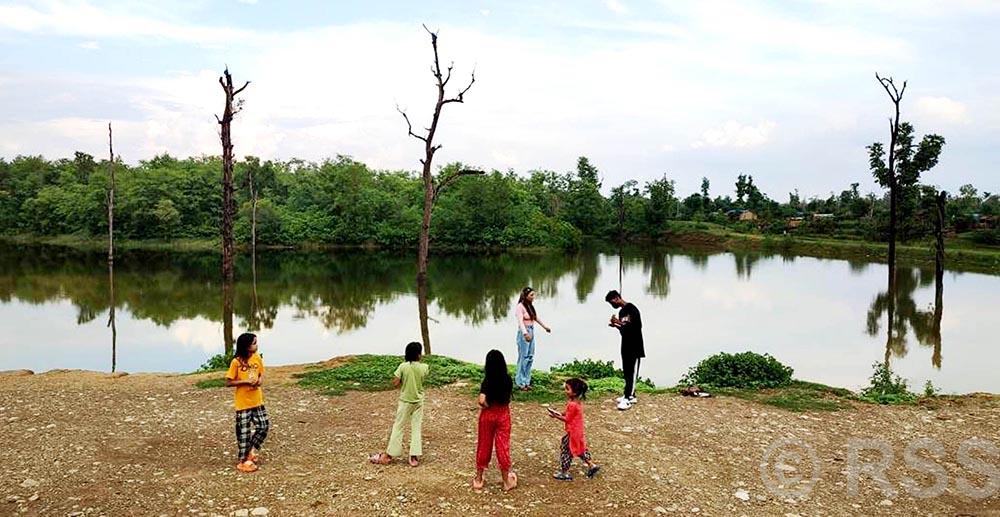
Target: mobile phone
x=552, y=411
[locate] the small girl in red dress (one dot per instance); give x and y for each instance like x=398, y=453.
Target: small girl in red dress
x=574, y=444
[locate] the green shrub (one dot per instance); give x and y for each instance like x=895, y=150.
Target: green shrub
x=930, y=390
x=884, y=387
x=217, y=362
x=742, y=370
x=986, y=237
x=587, y=369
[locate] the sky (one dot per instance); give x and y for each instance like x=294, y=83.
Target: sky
x=785, y=91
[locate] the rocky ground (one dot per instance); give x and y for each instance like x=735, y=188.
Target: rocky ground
x=84, y=443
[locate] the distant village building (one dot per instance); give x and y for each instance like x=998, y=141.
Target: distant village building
x=747, y=215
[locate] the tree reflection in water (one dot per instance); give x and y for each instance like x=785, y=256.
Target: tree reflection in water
x=903, y=316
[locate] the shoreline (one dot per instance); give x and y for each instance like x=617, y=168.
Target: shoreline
x=961, y=258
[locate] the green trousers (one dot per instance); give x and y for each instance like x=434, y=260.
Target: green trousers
x=414, y=412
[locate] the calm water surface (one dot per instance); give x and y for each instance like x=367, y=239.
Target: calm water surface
x=825, y=318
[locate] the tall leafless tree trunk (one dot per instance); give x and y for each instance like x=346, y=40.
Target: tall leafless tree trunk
x=896, y=95
x=433, y=189
x=111, y=253
x=228, y=199
x=111, y=198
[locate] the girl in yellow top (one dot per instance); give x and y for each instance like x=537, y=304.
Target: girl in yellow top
x=246, y=374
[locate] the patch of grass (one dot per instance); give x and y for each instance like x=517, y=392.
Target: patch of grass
x=742, y=370
x=374, y=373
x=798, y=396
x=216, y=363
x=211, y=383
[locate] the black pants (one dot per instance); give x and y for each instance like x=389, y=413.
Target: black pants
x=630, y=369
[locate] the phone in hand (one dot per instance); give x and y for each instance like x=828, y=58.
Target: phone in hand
x=553, y=412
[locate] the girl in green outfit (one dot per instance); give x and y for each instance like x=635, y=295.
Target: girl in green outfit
x=409, y=377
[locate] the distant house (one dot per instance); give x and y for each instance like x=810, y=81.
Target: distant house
x=822, y=216
x=747, y=215
x=741, y=214
x=795, y=222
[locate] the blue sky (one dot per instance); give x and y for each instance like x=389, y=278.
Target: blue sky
x=781, y=90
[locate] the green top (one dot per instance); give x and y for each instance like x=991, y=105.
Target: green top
x=412, y=375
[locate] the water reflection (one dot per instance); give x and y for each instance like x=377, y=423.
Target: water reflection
x=170, y=311
x=902, y=315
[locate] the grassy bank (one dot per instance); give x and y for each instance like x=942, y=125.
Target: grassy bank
x=960, y=253
x=374, y=373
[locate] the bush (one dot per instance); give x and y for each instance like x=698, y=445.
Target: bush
x=587, y=369
x=217, y=362
x=986, y=237
x=884, y=387
x=743, y=370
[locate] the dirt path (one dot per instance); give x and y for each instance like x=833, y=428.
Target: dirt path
x=83, y=443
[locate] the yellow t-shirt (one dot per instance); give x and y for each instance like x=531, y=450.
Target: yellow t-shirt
x=247, y=397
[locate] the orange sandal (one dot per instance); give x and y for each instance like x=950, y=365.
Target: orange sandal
x=251, y=457
x=246, y=467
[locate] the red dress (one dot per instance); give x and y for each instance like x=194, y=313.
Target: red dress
x=574, y=428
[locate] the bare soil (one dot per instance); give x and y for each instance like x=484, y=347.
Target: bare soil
x=86, y=443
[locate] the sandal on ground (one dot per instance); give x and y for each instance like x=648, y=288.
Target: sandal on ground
x=563, y=476
x=414, y=461
x=477, y=484
x=251, y=456
x=511, y=482
x=246, y=467
x=591, y=472
x=380, y=458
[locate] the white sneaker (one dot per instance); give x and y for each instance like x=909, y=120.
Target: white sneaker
x=623, y=405
x=633, y=400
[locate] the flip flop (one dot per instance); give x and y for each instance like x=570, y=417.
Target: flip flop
x=253, y=457
x=478, y=484
x=380, y=458
x=512, y=479
x=593, y=471
x=246, y=467
x=414, y=461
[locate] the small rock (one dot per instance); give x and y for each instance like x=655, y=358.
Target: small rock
x=29, y=483
x=260, y=510
x=34, y=497
x=885, y=502
x=660, y=509
x=742, y=495
x=12, y=499
x=242, y=513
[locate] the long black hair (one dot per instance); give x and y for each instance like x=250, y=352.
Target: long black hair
x=523, y=300
x=413, y=351
x=579, y=387
x=497, y=384
x=243, y=346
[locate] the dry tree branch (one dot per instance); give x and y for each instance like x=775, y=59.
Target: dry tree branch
x=409, y=127
x=451, y=178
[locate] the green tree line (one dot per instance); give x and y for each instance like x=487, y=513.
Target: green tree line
x=344, y=202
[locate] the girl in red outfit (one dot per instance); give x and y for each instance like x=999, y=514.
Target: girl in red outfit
x=494, y=420
x=574, y=444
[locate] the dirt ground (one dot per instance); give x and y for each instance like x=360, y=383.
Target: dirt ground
x=85, y=443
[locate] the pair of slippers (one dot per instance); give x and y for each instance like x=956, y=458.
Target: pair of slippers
x=381, y=458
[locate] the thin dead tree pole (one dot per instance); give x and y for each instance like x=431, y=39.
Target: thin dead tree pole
x=228, y=199
x=111, y=253
x=896, y=95
x=433, y=189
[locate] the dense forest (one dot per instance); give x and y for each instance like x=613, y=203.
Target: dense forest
x=344, y=202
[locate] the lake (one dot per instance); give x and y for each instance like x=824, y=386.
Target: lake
x=825, y=318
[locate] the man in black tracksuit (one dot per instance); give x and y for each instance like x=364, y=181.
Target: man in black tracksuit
x=629, y=323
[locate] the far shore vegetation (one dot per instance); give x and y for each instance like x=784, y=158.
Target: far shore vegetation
x=174, y=204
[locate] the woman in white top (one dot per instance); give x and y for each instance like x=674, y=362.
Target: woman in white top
x=526, y=319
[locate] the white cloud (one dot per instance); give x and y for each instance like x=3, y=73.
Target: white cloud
x=90, y=45
x=484, y=12
x=734, y=134
x=85, y=20
x=197, y=333
x=616, y=6
x=942, y=109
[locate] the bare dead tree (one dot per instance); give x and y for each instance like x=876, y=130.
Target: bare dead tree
x=432, y=188
x=896, y=95
x=111, y=198
x=232, y=107
x=111, y=253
